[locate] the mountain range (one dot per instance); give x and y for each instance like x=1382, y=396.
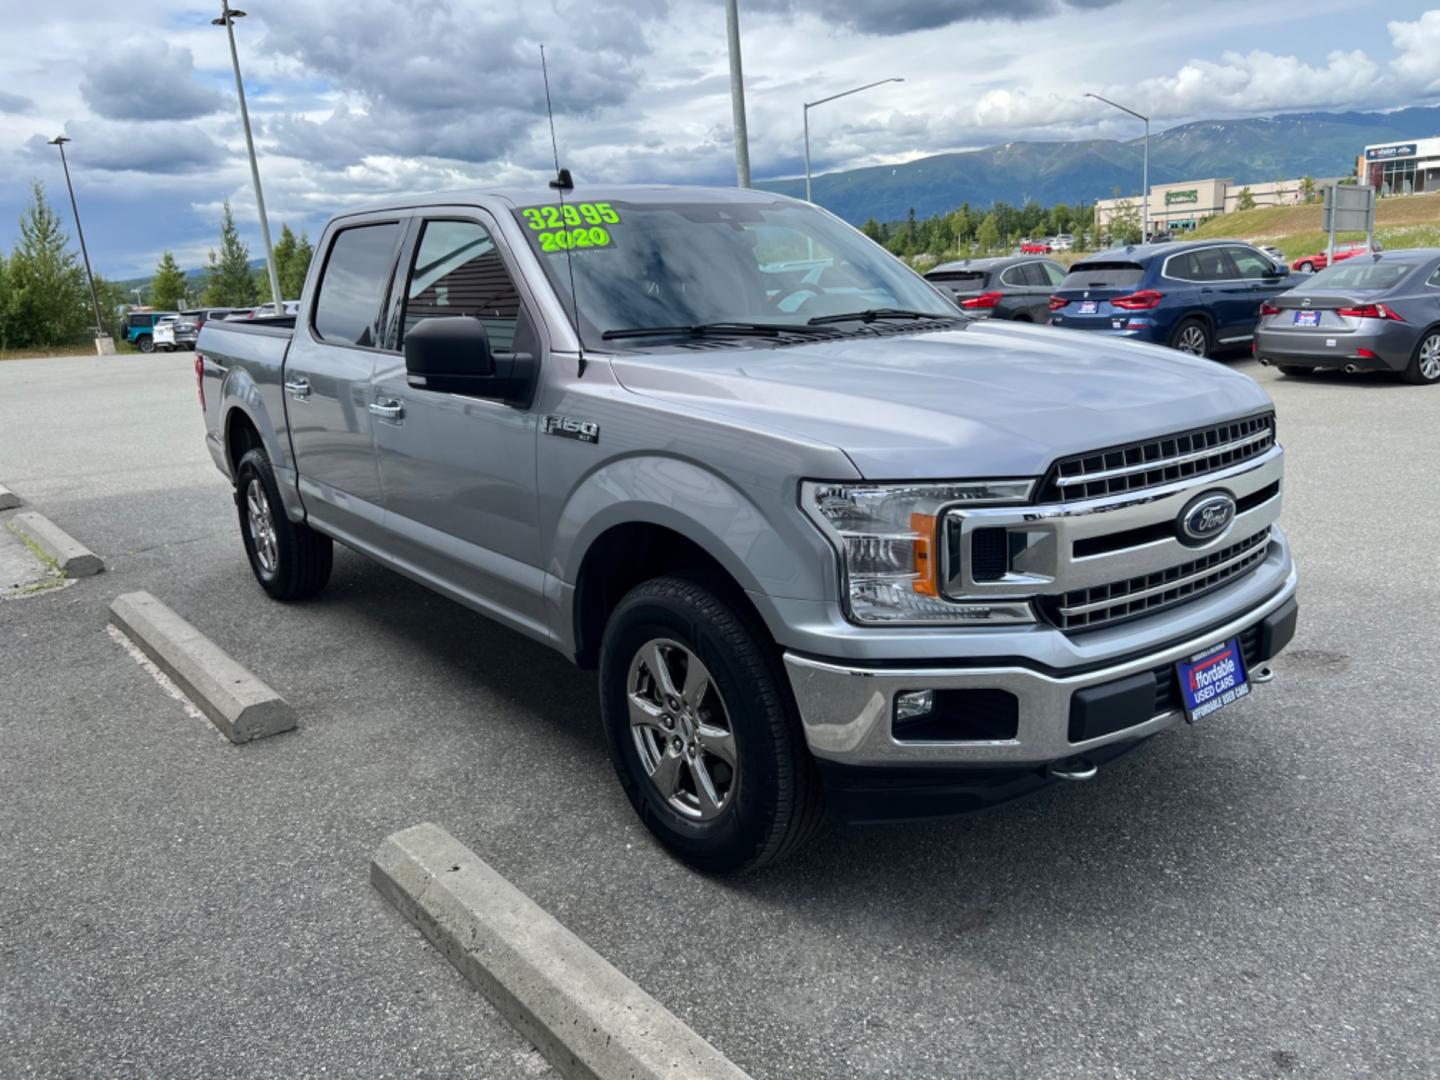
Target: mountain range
x=1254, y=151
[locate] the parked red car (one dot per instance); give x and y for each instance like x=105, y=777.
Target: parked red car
x=1309, y=264
x=1034, y=247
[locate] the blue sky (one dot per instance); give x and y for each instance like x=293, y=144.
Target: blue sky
x=365, y=99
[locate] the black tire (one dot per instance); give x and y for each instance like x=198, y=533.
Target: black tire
x=774, y=802
x=1294, y=370
x=302, y=558
x=145, y=343
x=1414, y=373
x=1192, y=330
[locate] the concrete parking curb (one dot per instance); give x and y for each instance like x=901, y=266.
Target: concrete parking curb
x=587, y=1018
x=234, y=699
x=71, y=556
x=8, y=499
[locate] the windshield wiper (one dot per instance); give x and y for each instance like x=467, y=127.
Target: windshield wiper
x=716, y=329
x=872, y=314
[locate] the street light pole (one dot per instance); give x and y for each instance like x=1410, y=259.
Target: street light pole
x=227, y=18
x=101, y=338
x=811, y=104
x=1145, y=173
x=737, y=95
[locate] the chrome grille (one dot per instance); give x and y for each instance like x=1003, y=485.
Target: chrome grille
x=1104, y=605
x=1153, y=462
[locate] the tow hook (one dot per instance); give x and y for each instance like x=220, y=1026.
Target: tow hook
x=1263, y=674
x=1073, y=768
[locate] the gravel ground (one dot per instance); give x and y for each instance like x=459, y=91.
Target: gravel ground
x=1255, y=896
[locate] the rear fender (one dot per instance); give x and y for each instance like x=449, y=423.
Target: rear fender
x=242, y=396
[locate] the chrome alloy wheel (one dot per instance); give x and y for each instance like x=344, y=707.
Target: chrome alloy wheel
x=1430, y=358
x=262, y=526
x=1191, y=340
x=681, y=729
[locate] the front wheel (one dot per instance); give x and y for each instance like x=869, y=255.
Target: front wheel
x=1424, y=368
x=702, y=730
x=1306, y=268
x=290, y=560
x=1192, y=336
x=146, y=343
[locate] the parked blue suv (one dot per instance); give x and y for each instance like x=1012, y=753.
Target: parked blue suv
x=1195, y=296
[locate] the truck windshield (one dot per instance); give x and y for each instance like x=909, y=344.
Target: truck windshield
x=644, y=265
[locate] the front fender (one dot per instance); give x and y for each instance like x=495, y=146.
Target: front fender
x=760, y=537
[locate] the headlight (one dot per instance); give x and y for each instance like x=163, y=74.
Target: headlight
x=887, y=539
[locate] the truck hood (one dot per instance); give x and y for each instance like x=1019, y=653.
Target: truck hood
x=986, y=399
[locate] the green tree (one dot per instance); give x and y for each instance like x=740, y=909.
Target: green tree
x=294, y=284
x=228, y=281
x=292, y=263
x=988, y=234
x=872, y=229
x=1124, y=227
x=1307, y=189
x=1246, y=200
x=48, y=302
x=167, y=287
x=112, y=300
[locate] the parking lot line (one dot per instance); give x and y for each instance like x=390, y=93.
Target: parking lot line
x=582, y=1013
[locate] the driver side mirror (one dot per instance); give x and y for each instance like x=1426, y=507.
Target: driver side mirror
x=453, y=355
x=1280, y=270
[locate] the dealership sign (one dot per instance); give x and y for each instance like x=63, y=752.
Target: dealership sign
x=1189, y=195
x=1384, y=153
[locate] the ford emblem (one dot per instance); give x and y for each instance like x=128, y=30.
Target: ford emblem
x=1206, y=518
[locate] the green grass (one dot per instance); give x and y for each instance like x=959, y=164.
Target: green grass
x=1400, y=222
x=79, y=348
x=56, y=573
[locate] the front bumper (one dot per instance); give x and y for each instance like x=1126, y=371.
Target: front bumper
x=847, y=708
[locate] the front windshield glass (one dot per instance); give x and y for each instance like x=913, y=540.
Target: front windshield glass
x=781, y=264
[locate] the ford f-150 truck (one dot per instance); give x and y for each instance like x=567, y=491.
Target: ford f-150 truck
x=831, y=545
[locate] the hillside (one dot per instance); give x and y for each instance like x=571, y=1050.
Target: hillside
x=1249, y=150
x=194, y=278
x=1400, y=222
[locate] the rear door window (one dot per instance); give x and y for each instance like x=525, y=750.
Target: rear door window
x=458, y=271
x=354, y=283
x=1104, y=275
x=1053, y=274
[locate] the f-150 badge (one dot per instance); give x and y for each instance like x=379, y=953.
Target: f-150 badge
x=567, y=427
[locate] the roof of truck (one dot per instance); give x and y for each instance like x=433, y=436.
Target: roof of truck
x=541, y=194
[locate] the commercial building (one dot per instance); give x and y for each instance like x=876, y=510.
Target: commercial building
x=1407, y=168
x=1182, y=206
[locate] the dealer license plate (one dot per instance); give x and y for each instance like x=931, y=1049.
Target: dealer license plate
x=1307, y=318
x=1089, y=307
x=1213, y=679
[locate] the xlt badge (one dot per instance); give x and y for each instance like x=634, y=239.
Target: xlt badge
x=567, y=427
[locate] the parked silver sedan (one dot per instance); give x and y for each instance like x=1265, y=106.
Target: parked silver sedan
x=1376, y=312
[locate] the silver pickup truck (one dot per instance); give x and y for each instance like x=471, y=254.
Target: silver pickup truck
x=832, y=546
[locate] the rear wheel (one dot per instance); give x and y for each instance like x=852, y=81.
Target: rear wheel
x=290, y=560
x=701, y=728
x=146, y=343
x=1424, y=369
x=1191, y=336
x=1295, y=369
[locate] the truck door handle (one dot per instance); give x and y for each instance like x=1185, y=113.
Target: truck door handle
x=298, y=388
x=390, y=410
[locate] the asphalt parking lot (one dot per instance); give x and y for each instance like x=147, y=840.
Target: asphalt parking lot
x=1256, y=896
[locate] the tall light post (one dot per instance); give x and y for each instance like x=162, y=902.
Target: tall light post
x=103, y=343
x=737, y=95
x=227, y=18
x=1145, y=174
x=811, y=104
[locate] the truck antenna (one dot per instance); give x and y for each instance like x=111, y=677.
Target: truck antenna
x=563, y=183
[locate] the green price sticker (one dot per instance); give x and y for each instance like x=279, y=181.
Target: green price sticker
x=571, y=215
x=595, y=236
